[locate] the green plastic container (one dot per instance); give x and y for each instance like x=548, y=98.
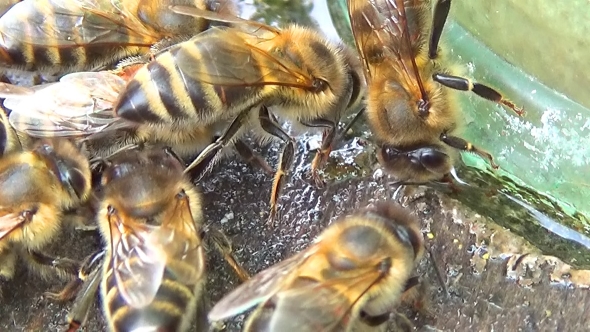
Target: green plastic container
x=531, y=53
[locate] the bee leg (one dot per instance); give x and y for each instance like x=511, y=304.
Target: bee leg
x=204, y=160
x=8, y=259
x=66, y=265
x=437, y=271
x=89, y=264
x=374, y=321
x=86, y=297
x=251, y=157
x=463, y=145
x=286, y=159
x=280, y=177
x=351, y=123
x=403, y=323
x=441, y=12
x=484, y=91
x=224, y=246
x=321, y=156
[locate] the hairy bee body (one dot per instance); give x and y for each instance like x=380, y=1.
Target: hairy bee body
x=37, y=187
x=150, y=218
x=411, y=87
x=63, y=36
x=223, y=72
x=357, y=268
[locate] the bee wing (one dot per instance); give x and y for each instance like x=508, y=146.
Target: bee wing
x=79, y=105
x=311, y=305
x=219, y=17
x=182, y=243
x=9, y=222
x=137, y=260
x=381, y=33
x=231, y=58
x=259, y=288
x=72, y=23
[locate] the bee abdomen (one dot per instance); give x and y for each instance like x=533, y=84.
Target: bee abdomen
x=166, y=311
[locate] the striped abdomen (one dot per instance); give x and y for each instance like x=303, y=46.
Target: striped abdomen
x=172, y=309
x=205, y=79
x=62, y=36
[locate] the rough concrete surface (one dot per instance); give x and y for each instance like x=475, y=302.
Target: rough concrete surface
x=481, y=296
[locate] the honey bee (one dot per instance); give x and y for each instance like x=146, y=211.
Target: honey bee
x=153, y=269
x=350, y=278
x=235, y=74
x=37, y=188
x=219, y=83
x=80, y=106
x=61, y=36
x=409, y=108
x=151, y=219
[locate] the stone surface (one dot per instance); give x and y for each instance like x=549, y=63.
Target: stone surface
x=481, y=295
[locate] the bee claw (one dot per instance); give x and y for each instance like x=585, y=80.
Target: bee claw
x=317, y=179
x=272, y=217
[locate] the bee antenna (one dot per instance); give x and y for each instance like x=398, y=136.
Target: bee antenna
x=437, y=271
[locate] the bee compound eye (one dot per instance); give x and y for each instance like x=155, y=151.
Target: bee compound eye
x=77, y=181
x=319, y=85
x=432, y=158
x=181, y=194
x=389, y=153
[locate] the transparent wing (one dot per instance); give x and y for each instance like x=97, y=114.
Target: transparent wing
x=137, y=261
x=141, y=253
x=382, y=35
x=8, y=222
x=221, y=17
x=79, y=105
x=74, y=23
x=229, y=57
x=312, y=305
x=259, y=288
x=181, y=243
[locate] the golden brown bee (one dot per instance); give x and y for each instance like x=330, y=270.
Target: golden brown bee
x=153, y=269
x=235, y=74
x=409, y=108
x=37, y=188
x=211, y=85
x=351, y=277
x=80, y=106
x=60, y=36
x=151, y=219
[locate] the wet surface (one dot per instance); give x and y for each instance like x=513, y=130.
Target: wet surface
x=491, y=287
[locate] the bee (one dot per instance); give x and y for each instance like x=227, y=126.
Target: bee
x=351, y=277
x=62, y=36
x=150, y=217
x=244, y=75
x=153, y=271
x=412, y=114
x=220, y=83
x=38, y=187
x=80, y=105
